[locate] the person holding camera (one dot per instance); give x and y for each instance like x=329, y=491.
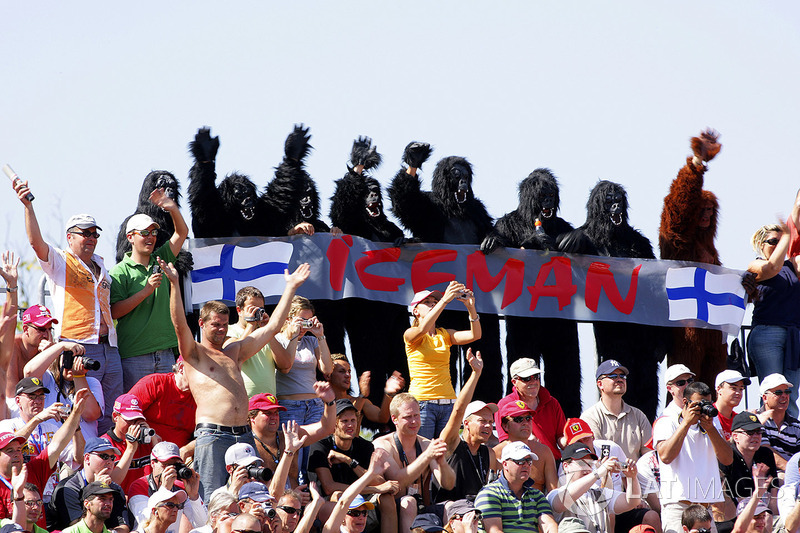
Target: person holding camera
x=255, y=499
x=62, y=369
x=689, y=445
x=168, y=472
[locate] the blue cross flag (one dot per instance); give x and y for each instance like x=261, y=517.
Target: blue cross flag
x=696, y=294
x=220, y=270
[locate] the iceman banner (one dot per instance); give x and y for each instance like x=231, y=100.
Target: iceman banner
x=508, y=282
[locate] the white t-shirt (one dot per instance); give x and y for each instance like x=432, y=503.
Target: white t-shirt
x=612, y=450
x=648, y=475
x=89, y=429
x=694, y=474
x=594, y=507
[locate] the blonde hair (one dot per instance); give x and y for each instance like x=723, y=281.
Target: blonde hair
x=213, y=306
x=400, y=400
x=219, y=502
x=758, y=238
x=299, y=303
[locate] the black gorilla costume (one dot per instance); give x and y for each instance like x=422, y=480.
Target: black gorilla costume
x=635, y=346
x=375, y=329
x=450, y=213
x=552, y=339
x=227, y=210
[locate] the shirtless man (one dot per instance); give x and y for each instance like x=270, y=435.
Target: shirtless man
x=37, y=329
x=413, y=458
x=215, y=376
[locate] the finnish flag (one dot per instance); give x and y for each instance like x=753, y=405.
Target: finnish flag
x=695, y=293
x=220, y=270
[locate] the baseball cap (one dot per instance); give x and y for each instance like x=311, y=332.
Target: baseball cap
x=476, y=406
x=515, y=408
x=429, y=522
x=343, y=404
x=609, y=366
x=264, y=402
x=28, y=385
x=241, y=454
x=11, y=527
x=38, y=315
x=161, y=495
x=577, y=451
x=641, y=528
x=7, y=438
x=746, y=421
x=83, y=221
x=139, y=222
x=517, y=450
x=572, y=524
x=523, y=368
x=256, y=491
x=772, y=381
x=676, y=370
x=95, y=488
x=358, y=501
x=576, y=429
x=97, y=444
x=127, y=405
x=760, y=506
x=460, y=507
x=730, y=376
x=164, y=451
x=421, y=295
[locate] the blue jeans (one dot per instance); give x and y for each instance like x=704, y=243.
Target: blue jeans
x=209, y=456
x=109, y=376
x=433, y=418
x=767, y=347
x=136, y=367
x=303, y=412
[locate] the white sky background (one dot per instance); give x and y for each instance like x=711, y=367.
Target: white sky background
x=94, y=95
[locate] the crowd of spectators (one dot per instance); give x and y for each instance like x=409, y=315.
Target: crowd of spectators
x=117, y=418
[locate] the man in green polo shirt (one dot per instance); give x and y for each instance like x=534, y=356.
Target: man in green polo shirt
x=98, y=501
x=139, y=301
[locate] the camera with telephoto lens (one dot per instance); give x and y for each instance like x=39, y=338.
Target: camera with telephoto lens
x=68, y=359
x=183, y=471
x=707, y=408
x=260, y=473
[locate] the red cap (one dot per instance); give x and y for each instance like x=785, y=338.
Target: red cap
x=127, y=405
x=265, y=402
x=642, y=528
x=7, y=438
x=39, y=316
x=515, y=408
x=575, y=429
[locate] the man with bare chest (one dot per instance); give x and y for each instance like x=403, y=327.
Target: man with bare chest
x=215, y=377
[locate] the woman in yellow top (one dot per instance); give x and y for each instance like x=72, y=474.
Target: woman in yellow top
x=428, y=352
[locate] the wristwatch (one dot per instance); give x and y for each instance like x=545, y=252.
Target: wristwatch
x=354, y=464
x=330, y=402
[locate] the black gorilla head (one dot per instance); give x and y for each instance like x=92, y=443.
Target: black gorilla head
x=309, y=201
x=160, y=179
x=239, y=195
x=373, y=201
x=452, y=181
x=538, y=195
x=608, y=202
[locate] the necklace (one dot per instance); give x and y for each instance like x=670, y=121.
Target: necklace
x=275, y=458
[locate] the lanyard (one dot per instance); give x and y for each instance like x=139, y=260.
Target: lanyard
x=480, y=470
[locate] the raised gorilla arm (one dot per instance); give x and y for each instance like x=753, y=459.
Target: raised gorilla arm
x=410, y=204
x=208, y=220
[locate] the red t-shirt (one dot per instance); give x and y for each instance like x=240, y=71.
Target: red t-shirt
x=726, y=424
x=140, y=465
x=168, y=410
x=39, y=471
x=548, y=420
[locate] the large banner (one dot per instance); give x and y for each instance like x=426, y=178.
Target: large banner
x=508, y=281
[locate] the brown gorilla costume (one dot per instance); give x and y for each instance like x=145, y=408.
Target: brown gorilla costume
x=684, y=235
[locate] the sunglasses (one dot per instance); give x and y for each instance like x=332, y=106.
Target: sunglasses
x=41, y=330
x=246, y=531
x=289, y=510
x=749, y=432
x=33, y=503
x=476, y=516
x=520, y=419
x=526, y=461
x=172, y=505
x=703, y=530
x=534, y=377
x=86, y=234
x=106, y=456
x=773, y=241
x=623, y=377
x=355, y=513
x=779, y=392
x=682, y=382
x=147, y=232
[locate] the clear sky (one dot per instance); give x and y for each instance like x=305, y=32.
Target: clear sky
x=95, y=94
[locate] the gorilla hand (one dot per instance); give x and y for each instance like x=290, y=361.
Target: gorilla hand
x=296, y=147
x=490, y=244
x=416, y=153
x=706, y=146
x=204, y=147
x=364, y=154
x=184, y=262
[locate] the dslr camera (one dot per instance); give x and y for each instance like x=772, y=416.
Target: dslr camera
x=707, y=408
x=183, y=471
x=260, y=473
x=68, y=359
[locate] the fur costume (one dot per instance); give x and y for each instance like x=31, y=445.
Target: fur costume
x=554, y=340
x=450, y=213
x=637, y=347
x=685, y=235
x=373, y=327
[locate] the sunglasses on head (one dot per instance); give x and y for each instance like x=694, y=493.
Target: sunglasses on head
x=525, y=461
x=146, y=232
x=749, y=432
x=773, y=241
x=534, y=377
x=86, y=234
x=682, y=382
x=356, y=513
x=288, y=509
x=522, y=418
x=779, y=392
x=172, y=505
x=106, y=456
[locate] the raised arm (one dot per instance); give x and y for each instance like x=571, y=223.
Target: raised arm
x=319, y=430
x=292, y=443
x=8, y=321
x=64, y=434
x=426, y=324
x=761, y=481
x=186, y=343
x=450, y=434
x=377, y=466
x=311, y=510
x=160, y=199
x=578, y=487
x=40, y=362
x=380, y=415
x=31, y=223
x=474, y=333
x=765, y=269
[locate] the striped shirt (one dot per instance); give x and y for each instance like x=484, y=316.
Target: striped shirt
x=496, y=500
x=785, y=441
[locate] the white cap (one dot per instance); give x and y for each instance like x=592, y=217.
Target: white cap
x=476, y=406
x=139, y=222
x=241, y=454
x=676, y=370
x=730, y=376
x=517, y=450
x=164, y=451
x=523, y=368
x=421, y=295
x=772, y=381
x=160, y=496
